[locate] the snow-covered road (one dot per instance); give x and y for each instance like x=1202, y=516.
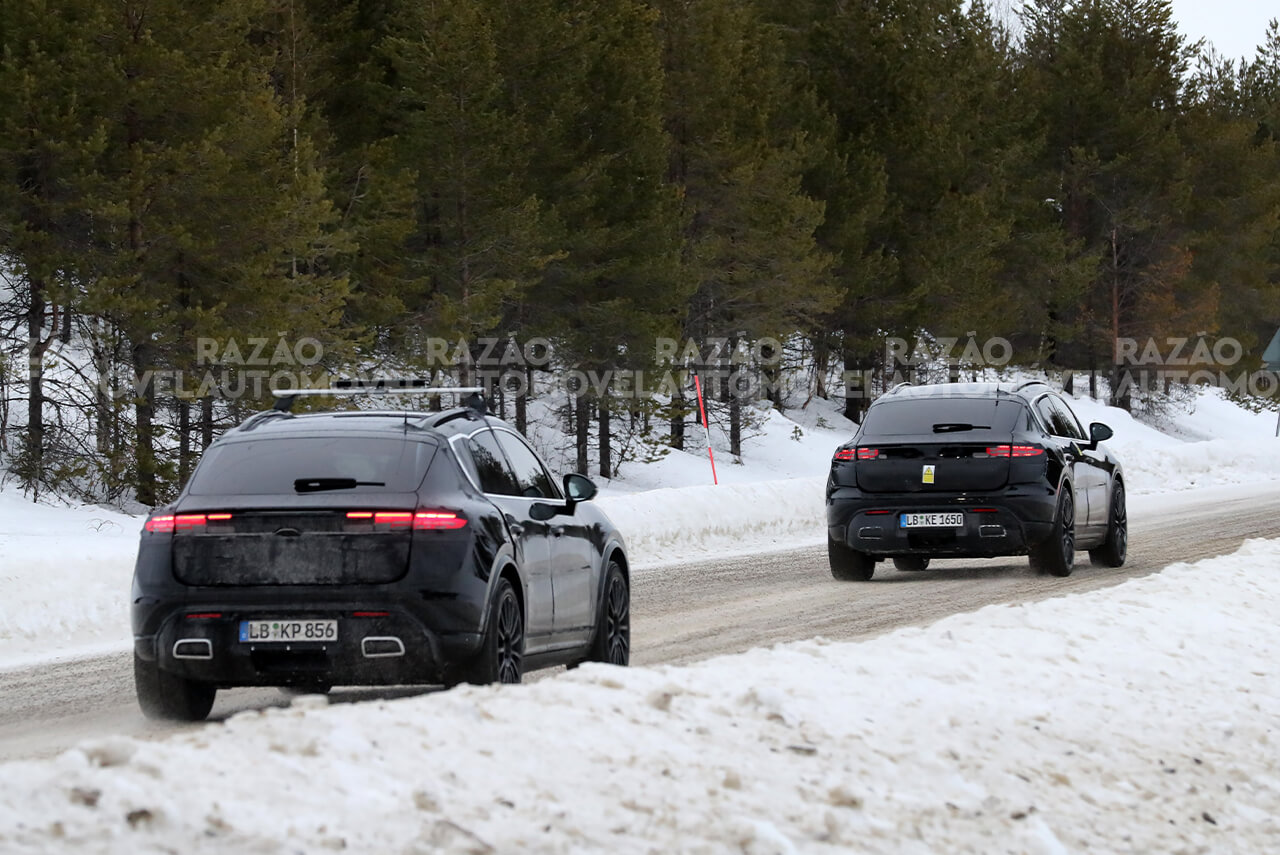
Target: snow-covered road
x=688, y=611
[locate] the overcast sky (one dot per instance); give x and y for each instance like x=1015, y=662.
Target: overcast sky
x=1236, y=27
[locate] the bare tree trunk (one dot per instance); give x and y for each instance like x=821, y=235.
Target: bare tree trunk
x=677, y=420
x=144, y=412
x=35, y=385
x=582, y=430
x=185, y=457
x=206, y=422
x=606, y=447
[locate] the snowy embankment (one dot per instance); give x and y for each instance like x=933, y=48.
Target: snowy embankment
x=64, y=572
x=1141, y=718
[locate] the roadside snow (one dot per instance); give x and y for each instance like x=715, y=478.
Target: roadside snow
x=1141, y=718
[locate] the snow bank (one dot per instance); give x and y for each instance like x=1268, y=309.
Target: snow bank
x=683, y=522
x=1141, y=718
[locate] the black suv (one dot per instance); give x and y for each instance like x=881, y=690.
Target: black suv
x=372, y=548
x=974, y=470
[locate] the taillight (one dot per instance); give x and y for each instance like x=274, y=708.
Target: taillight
x=844, y=454
x=437, y=521
x=868, y=453
x=420, y=520
x=1015, y=451
x=159, y=524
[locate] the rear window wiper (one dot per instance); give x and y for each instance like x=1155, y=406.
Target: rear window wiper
x=315, y=485
x=951, y=427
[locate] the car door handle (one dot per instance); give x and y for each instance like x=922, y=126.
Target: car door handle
x=557, y=530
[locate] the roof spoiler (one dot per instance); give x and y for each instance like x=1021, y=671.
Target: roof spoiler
x=394, y=386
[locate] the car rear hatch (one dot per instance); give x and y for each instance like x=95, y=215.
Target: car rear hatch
x=945, y=445
x=347, y=516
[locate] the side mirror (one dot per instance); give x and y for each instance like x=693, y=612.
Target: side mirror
x=1098, y=432
x=578, y=488
x=541, y=511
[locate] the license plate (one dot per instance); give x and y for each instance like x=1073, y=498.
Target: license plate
x=277, y=630
x=931, y=520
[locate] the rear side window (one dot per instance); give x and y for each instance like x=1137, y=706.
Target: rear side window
x=271, y=465
x=1058, y=416
x=919, y=415
x=531, y=477
x=495, y=473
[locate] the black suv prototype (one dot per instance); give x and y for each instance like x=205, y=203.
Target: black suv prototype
x=974, y=470
x=372, y=548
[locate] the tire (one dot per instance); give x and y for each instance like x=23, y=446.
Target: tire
x=1057, y=554
x=1115, y=548
x=849, y=565
x=612, y=641
x=168, y=697
x=501, y=656
x=911, y=562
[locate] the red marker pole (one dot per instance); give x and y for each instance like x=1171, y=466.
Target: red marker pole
x=706, y=430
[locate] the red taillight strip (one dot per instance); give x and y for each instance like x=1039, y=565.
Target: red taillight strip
x=844, y=454
x=437, y=520
x=204, y=615
x=1015, y=451
x=187, y=521
x=219, y=517
x=429, y=520
x=159, y=524
x=879, y=512
x=983, y=510
x=370, y=614
x=868, y=453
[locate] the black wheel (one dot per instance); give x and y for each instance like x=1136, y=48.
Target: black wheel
x=1115, y=548
x=911, y=562
x=169, y=697
x=849, y=565
x=501, y=656
x=1057, y=554
x=612, y=642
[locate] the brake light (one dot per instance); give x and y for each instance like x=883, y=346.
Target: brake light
x=419, y=520
x=868, y=453
x=437, y=521
x=844, y=454
x=204, y=616
x=370, y=614
x=1015, y=451
x=159, y=524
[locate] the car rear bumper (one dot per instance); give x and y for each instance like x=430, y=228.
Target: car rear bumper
x=202, y=642
x=1007, y=523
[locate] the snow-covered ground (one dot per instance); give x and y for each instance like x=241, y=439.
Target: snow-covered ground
x=1142, y=718
x=64, y=573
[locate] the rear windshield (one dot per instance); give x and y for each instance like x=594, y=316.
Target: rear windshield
x=271, y=465
x=951, y=415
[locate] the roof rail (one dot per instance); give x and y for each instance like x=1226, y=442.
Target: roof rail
x=899, y=386
x=258, y=418
x=394, y=386
x=1027, y=383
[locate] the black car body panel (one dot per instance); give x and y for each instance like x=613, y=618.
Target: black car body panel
x=404, y=563
x=978, y=466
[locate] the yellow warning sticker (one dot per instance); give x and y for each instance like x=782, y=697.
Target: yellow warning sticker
x=926, y=477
